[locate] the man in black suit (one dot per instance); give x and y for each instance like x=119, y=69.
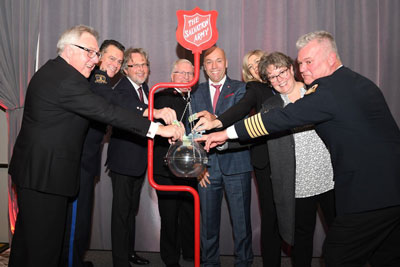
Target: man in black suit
x=77, y=241
x=45, y=164
x=127, y=157
x=176, y=208
x=351, y=116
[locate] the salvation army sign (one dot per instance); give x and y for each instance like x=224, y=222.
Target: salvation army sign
x=197, y=29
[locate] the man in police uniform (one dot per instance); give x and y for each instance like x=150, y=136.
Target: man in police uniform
x=351, y=116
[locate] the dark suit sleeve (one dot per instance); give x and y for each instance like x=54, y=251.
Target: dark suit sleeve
x=240, y=109
x=125, y=96
x=311, y=109
x=76, y=97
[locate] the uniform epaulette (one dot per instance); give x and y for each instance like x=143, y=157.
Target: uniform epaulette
x=100, y=78
x=311, y=90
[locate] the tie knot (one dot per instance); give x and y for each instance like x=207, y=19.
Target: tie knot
x=216, y=86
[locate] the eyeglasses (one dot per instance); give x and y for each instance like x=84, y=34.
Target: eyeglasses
x=283, y=74
x=184, y=73
x=91, y=53
x=136, y=66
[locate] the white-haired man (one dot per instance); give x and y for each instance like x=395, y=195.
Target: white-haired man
x=45, y=163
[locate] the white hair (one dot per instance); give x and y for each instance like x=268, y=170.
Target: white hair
x=320, y=36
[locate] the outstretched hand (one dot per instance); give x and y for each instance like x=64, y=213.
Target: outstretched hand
x=173, y=132
x=168, y=115
x=207, y=121
x=214, y=139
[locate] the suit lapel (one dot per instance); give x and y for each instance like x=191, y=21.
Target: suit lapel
x=205, y=94
x=145, y=88
x=223, y=99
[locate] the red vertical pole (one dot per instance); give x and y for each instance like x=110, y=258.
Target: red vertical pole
x=150, y=149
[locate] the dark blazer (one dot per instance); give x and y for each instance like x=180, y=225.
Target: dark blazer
x=256, y=94
x=58, y=104
x=354, y=121
x=230, y=161
x=127, y=153
x=91, y=153
x=172, y=99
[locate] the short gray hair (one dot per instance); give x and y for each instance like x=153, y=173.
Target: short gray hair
x=73, y=34
x=320, y=36
x=179, y=61
x=276, y=59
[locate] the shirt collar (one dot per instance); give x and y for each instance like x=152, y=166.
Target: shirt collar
x=221, y=82
x=135, y=85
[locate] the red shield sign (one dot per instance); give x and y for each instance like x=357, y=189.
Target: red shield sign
x=197, y=29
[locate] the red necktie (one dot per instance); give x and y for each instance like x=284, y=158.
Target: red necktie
x=140, y=90
x=216, y=95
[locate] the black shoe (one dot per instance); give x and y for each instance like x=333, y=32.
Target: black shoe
x=136, y=259
x=88, y=264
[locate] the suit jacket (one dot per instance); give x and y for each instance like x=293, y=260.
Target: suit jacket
x=58, y=104
x=230, y=161
x=172, y=99
x=256, y=94
x=127, y=153
x=354, y=121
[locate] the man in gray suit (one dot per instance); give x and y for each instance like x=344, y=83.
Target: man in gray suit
x=228, y=170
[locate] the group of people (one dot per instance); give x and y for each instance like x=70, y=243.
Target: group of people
x=328, y=140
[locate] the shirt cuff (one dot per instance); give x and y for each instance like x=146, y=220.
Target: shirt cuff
x=152, y=130
x=231, y=132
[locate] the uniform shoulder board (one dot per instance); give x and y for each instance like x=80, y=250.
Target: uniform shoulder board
x=100, y=78
x=312, y=89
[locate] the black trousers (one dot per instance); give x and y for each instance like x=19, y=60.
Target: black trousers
x=177, y=225
x=305, y=217
x=125, y=206
x=39, y=229
x=373, y=236
x=270, y=238
x=83, y=222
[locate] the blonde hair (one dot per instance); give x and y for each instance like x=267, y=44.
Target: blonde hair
x=247, y=77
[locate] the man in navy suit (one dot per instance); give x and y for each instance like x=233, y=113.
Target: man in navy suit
x=127, y=157
x=351, y=116
x=228, y=171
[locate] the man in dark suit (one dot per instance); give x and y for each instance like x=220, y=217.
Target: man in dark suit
x=176, y=208
x=45, y=164
x=127, y=158
x=77, y=240
x=228, y=171
x=351, y=116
